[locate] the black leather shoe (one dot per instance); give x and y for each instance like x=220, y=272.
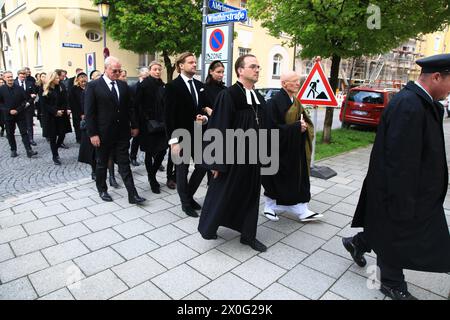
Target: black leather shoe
x=396, y=294
x=171, y=184
x=56, y=161
x=63, y=146
x=355, y=252
x=213, y=237
x=135, y=199
x=195, y=205
x=113, y=183
x=190, y=211
x=134, y=163
x=31, y=153
x=14, y=154
x=254, y=244
x=105, y=196
x=154, y=185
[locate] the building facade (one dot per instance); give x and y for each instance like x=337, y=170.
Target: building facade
x=49, y=34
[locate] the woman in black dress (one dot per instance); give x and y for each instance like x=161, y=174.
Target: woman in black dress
x=75, y=101
x=213, y=85
x=55, y=115
x=153, y=140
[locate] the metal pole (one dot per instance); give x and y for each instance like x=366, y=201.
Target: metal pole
x=104, y=33
x=205, y=12
x=315, y=137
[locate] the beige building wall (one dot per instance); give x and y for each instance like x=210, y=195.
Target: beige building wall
x=52, y=23
x=436, y=43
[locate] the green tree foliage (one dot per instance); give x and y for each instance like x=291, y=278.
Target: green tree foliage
x=349, y=28
x=166, y=26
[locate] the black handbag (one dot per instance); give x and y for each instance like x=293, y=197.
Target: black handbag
x=154, y=126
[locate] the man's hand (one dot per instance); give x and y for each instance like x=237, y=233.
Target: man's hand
x=33, y=96
x=13, y=112
x=175, y=149
x=208, y=111
x=59, y=113
x=69, y=112
x=134, y=132
x=215, y=174
x=201, y=119
x=95, y=140
x=304, y=125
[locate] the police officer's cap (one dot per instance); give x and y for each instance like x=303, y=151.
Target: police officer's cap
x=436, y=63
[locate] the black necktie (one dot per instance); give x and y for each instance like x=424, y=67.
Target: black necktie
x=114, y=92
x=194, y=97
x=23, y=86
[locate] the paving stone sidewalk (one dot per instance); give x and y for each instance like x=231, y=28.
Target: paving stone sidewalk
x=65, y=243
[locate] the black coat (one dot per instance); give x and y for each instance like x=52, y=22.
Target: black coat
x=212, y=90
x=180, y=109
x=401, y=202
x=75, y=101
x=12, y=98
x=50, y=104
x=149, y=102
x=105, y=117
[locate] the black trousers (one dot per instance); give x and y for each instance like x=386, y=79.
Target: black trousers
x=29, y=114
x=76, y=119
x=134, y=148
x=171, y=169
x=389, y=275
x=10, y=131
x=119, y=150
x=55, y=143
x=186, y=190
x=152, y=163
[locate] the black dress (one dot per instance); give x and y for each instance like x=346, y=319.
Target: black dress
x=75, y=99
x=86, y=153
x=233, y=198
x=212, y=90
x=50, y=104
x=149, y=102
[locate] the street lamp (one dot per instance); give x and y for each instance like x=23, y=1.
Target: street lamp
x=103, y=10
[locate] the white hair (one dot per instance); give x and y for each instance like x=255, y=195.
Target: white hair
x=110, y=60
x=143, y=71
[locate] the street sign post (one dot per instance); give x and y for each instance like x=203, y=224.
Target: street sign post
x=226, y=17
x=219, y=6
x=316, y=91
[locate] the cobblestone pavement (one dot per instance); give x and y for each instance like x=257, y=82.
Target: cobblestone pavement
x=22, y=175
x=63, y=242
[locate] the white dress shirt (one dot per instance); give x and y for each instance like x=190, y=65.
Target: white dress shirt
x=108, y=82
x=421, y=87
x=186, y=79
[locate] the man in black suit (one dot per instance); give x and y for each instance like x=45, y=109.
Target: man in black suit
x=13, y=104
x=64, y=96
x=184, y=104
x=110, y=118
x=30, y=92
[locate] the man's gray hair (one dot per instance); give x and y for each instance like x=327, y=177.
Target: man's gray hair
x=110, y=60
x=143, y=71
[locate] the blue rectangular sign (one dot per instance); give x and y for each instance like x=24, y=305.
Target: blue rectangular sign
x=72, y=45
x=219, y=6
x=225, y=17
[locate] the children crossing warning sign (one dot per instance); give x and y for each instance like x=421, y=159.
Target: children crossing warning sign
x=317, y=90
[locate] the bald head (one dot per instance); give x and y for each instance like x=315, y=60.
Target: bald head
x=289, y=75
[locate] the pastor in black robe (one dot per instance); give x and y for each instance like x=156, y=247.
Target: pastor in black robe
x=290, y=185
x=233, y=198
x=401, y=202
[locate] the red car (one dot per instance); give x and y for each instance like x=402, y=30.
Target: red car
x=365, y=105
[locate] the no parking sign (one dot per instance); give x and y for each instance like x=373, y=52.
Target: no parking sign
x=217, y=43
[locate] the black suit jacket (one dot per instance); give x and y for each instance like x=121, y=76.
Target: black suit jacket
x=31, y=88
x=12, y=99
x=105, y=117
x=181, y=111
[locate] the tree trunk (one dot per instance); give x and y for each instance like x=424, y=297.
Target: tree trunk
x=169, y=67
x=334, y=78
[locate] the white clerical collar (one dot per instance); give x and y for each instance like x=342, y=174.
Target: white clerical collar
x=248, y=95
x=421, y=87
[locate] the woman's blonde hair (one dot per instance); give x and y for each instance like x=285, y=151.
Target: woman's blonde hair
x=49, y=83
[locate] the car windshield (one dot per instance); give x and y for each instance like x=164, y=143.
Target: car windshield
x=366, y=97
